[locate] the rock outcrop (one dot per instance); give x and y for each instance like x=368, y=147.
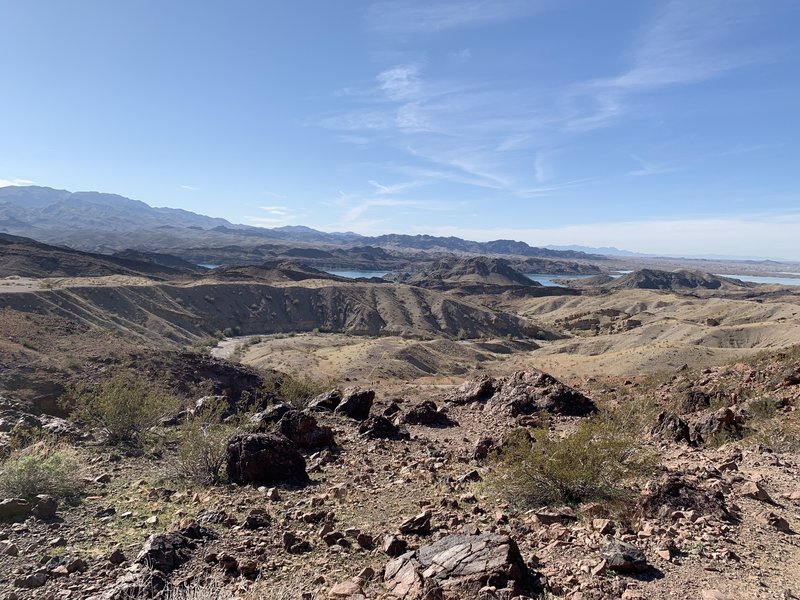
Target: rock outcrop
x=264, y=458
x=458, y=566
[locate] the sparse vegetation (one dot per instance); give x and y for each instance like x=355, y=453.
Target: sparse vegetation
x=595, y=462
x=41, y=468
x=299, y=389
x=123, y=406
x=201, y=443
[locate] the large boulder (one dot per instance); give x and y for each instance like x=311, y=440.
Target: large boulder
x=527, y=392
x=671, y=428
x=623, y=557
x=327, y=401
x=458, y=566
x=427, y=413
x=378, y=427
x=474, y=390
x=356, y=403
x=264, y=458
x=721, y=423
x=676, y=491
x=15, y=509
x=166, y=552
x=304, y=431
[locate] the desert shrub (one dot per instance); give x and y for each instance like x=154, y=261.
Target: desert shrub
x=124, y=406
x=596, y=462
x=215, y=590
x=299, y=389
x=201, y=444
x=41, y=468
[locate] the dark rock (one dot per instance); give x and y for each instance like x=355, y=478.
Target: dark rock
x=723, y=422
x=294, y=544
x=142, y=584
x=327, y=401
x=356, y=403
x=527, y=392
x=426, y=413
x=672, y=492
x=379, y=427
x=257, y=519
x=391, y=410
x=117, y=557
x=623, y=557
x=394, y=546
x=15, y=509
x=302, y=429
x=671, y=428
x=45, y=507
x=474, y=390
x=482, y=448
x=32, y=581
x=417, y=525
x=266, y=418
x=458, y=566
x=695, y=400
x=166, y=551
x=264, y=458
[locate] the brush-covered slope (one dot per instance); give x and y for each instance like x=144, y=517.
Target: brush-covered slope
x=653, y=279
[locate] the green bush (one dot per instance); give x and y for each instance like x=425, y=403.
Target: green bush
x=41, y=469
x=298, y=390
x=123, y=406
x=201, y=445
x=595, y=462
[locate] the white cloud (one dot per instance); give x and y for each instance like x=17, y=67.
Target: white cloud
x=189, y=187
x=400, y=82
x=15, y=182
x=276, y=216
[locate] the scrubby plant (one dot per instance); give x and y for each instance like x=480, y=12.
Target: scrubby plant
x=201, y=445
x=42, y=468
x=299, y=389
x=124, y=406
x=596, y=462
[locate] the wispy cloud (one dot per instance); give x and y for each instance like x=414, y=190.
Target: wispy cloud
x=686, y=42
x=275, y=216
x=650, y=168
x=395, y=188
x=189, y=188
x=15, y=182
x=415, y=16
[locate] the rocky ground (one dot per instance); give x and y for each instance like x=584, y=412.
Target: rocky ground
x=372, y=494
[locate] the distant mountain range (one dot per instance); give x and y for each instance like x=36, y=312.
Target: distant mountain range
x=108, y=223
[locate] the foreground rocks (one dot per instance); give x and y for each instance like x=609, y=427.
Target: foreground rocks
x=524, y=393
x=264, y=458
x=458, y=566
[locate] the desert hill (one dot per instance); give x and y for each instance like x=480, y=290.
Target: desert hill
x=653, y=279
x=475, y=270
x=25, y=257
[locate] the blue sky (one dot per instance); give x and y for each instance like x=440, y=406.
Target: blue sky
x=657, y=126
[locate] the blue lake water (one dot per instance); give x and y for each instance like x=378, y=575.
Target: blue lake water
x=357, y=274
x=548, y=279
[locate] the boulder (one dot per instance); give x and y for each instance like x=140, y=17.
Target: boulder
x=379, y=427
x=45, y=507
x=458, y=566
x=527, y=392
x=671, y=428
x=267, y=418
x=166, y=551
x=417, y=525
x=426, y=413
x=474, y=390
x=264, y=458
x=623, y=557
x=327, y=401
x=356, y=403
x=303, y=430
x=15, y=509
x=674, y=492
x=723, y=422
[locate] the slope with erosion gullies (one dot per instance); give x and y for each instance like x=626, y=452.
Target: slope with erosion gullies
x=455, y=272
x=627, y=331
x=181, y=314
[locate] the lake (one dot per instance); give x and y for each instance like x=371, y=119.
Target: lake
x=357, y=274
x=760, y=279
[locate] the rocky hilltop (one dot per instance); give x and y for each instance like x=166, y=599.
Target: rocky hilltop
x=653, y=279
x=478, y=270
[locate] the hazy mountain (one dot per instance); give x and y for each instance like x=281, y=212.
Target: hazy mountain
x=109, y=223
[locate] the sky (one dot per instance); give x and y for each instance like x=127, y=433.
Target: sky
x=666, y=127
